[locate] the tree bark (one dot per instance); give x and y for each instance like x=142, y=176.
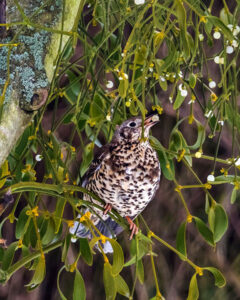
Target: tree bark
x=28, y=55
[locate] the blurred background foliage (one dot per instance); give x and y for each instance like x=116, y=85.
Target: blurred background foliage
x=181, y=60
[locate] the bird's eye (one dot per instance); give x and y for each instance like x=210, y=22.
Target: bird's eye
x=132, y=124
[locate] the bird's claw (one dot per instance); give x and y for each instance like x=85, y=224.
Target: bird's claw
x=133, y=227
x=107, y=208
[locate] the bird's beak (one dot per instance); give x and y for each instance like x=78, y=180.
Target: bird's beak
x=151, y=120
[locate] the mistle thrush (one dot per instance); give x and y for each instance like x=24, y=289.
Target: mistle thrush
x=125, y=176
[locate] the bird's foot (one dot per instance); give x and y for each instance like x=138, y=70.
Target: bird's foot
x=133, y=227
x=107, y=208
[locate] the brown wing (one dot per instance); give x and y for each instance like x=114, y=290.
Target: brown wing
x=96, y=163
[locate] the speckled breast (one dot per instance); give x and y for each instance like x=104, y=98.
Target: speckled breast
x=127, y=178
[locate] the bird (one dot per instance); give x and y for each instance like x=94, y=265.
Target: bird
x=125, y=175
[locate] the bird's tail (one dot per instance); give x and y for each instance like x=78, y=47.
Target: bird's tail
x=108, y=228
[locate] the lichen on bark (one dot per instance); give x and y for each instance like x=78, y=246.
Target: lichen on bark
x=28, y=54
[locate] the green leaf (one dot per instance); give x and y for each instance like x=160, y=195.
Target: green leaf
x=233, y=196
x=50, y=232
x=1, y=254
x=22, y=223
x=143, y=249
x=163, y=65
x=26, y=252
x=67, y=118
x=58, y=285
x=140, y=55
x=167, y=164
x=79, y=292
x=4, y=173
x=141, y=107
x=109, y=282
x=34, y=264
x=218, y=221
x=86, y=251
x=60, y=205
x=75, y=88
x=140, y=271
x=87, y=159
x=118, y=257
x=181, y=16
x=123, y=87
x=133, y=108
x=22, y=144
x=163, y=83
x=8, y=256
x=193, y=292
x=66, y=245
x=97, y=107
x=208, y=27
x=3, y=276
x=39, y=273
x=226, y=17
x=192, y=80
x=219, y=278
x=226, y=179
x=175, y=143
x=218, y=23
x=178, y=101
x=121, y=286
x=181, y=239
x=205, y=232
x=67, y=52
x=200, y=137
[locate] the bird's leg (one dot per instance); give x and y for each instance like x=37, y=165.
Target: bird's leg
x=133, y=227
x=107, y=208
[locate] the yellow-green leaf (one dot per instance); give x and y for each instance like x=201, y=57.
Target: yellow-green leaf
x=200, y=137
x=178, y=101
x=123, y=87
x=86, y=251
x=140, y=55
x=59, y=213
x=205, y=232
x=58, y=285
x=118, y=257
x=109, y=282
x=143, y=248
x=218, y=221
x=192, y=80
x=233, y=196
x=39, y=273
x=49, y=234
x=140, y=271
x=22, y=223
x=8, y=256
x=4, y=172
x=193, y=292
x=79, y=291
x=121, y=286
x=181, y=239
x=181, y=16
x=65, y=248
x=219, y=278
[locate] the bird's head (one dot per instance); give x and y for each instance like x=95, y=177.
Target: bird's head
x=131, y=130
